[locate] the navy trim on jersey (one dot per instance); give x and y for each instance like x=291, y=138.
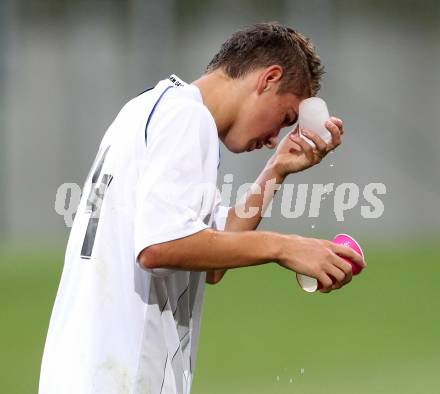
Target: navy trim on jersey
x=145, y=91
x=154, y=108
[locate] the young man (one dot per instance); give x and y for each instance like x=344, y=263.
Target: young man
x=149, y=231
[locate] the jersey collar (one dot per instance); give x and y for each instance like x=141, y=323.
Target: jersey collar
x=176, y=80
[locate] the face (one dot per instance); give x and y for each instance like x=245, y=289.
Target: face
x=260, y=118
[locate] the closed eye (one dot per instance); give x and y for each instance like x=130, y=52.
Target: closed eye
x=290, y=122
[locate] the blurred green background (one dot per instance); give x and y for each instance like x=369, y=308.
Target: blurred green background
x=261, y=333
x=67, y=67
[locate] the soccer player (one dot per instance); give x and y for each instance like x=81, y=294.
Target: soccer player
x=150, y=232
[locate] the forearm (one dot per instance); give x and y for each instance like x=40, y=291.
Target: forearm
x=247, y=214
x=255, y=202
x=213, y=250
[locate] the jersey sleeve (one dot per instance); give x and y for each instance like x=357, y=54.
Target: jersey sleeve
x=220, y=214
x=169, y=196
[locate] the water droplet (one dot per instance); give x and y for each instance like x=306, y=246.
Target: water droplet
x=228, y=178
x=302, y=371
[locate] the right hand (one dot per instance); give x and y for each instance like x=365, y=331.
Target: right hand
x=319, y=259
x=295, y=154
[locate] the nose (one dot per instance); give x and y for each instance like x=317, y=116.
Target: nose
x=271, y=142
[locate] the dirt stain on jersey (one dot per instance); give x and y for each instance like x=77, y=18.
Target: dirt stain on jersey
x=111, y=377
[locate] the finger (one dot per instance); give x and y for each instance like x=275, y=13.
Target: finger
x=345, y=251
x=326, y=283
x=293, y=132
x=321, y=146
x=337, y=275
x=293, y=144
x=306, y=147
x=338, y=122
x=292, y=135
x=335, y=132
x=345, y=267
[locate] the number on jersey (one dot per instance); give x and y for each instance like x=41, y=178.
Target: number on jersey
x=93, y=206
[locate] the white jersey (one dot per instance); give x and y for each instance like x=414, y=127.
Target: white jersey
x=116, y=327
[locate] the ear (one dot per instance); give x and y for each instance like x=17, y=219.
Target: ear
x=269, y=78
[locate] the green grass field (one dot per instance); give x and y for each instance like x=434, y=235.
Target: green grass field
x=262, y=334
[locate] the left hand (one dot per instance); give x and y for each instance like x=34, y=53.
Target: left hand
x=295, y=154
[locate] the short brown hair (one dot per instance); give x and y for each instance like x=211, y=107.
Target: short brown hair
x=265, y=44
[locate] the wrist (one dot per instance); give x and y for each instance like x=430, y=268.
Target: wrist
x=275, y=247
x=276, y=168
